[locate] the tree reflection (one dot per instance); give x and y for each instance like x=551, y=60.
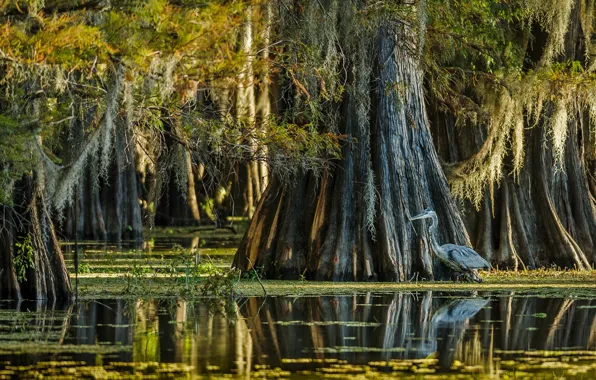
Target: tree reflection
x=301, y=333
x=364, y=328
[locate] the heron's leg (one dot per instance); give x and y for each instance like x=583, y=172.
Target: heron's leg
x=457, y=276
x=473, y=276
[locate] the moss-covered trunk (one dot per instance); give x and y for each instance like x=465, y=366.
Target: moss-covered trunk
x=352, y=222
x=33, y=266
x=544, y=215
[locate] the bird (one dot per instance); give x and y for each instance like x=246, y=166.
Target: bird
x=461, y=259
x=458, y=311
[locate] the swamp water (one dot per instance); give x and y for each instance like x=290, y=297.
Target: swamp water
x=370, y=335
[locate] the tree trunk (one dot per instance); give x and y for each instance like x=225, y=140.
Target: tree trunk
x=352, y=223
x=263, y=105
x=246, y=110
x=9, y=286
x=545, y=215
x=192, y=192
x=34, y=231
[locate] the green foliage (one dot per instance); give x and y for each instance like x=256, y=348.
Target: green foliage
x=254, y=273
x=188, y=260
x=195, y=271
x=136, y=279
x=220, y=285
x=15, y=159
x=23, y=258
x=84, y=268
x=65, y=40
x=67, y=64
x=290, y=147
x=468, y=42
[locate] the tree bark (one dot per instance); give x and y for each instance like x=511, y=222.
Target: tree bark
x=9, y=286
x=47, y=278
x=192, y=192
x=323, y=228
x=263, y=102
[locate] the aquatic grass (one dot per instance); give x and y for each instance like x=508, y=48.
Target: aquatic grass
x=113, y=370
x=540, y=274
x=535, y=315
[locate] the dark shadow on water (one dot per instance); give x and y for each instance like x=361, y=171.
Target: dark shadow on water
x=435, y=331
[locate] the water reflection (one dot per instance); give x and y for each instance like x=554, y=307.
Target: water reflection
x=361, y=329
x=309, y=333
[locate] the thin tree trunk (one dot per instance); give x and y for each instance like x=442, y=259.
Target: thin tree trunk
x=250, y=199
x=192, y=192
x=246, y=110
x=263, y=99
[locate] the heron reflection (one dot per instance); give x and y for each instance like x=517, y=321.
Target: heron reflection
x=447, y=327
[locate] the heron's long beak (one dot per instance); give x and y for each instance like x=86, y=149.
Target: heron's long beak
x=420, y=216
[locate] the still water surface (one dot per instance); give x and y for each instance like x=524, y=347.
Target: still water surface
x=404, y=333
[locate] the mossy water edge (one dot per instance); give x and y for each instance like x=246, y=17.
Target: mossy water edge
x=552, y=283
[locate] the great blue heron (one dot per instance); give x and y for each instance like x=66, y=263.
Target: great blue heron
x=460, y=259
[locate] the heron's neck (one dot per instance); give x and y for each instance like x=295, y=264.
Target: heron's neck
x=432, y=233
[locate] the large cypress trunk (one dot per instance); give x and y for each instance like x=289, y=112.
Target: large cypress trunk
x=352, y=223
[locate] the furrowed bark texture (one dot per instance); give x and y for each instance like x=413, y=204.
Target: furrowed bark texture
x=321, y=228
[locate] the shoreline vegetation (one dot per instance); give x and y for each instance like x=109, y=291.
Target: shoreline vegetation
x=92, y=286
x=162, y=270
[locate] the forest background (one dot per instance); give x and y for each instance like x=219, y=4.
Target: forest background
x=328, y=123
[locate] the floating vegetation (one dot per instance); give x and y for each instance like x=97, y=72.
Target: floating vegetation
x=556, y=363
x=33, y=348
x=536, y=365
x=328, y=323
x=345, y=349
x=115, y=370
x=535, y=315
